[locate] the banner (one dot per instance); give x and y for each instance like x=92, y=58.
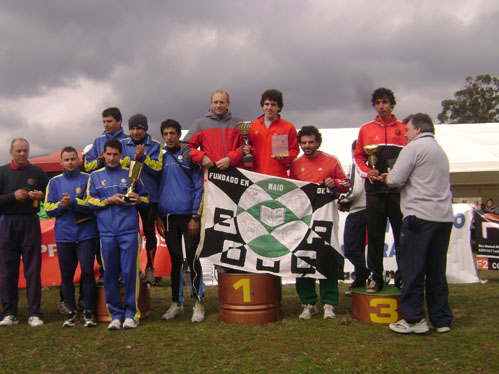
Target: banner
x=264, y=224
x=487, y=240
x=51, y=275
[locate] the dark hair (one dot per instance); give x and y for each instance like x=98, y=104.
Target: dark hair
x=354, y=145
x=113, y=112
x=69, y=149
x=381, y=93
x=171, y=123
x=421, y=121
x=272, y=95
x=310, y=130
x=113, y=143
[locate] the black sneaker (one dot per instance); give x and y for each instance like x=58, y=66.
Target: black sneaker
x=374, y=286
x=71, y=320
x=88, y=318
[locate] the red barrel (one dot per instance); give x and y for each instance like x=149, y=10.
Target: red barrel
x=249, y=298
x=100, y=307
x=378, y=308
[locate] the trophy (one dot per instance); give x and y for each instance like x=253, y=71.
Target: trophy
x=371, y=157
x=133, y=175
x=244, y=129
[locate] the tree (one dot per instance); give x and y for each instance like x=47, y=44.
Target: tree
x=478, y=102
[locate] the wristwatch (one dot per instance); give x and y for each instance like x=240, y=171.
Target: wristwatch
x=195, y=218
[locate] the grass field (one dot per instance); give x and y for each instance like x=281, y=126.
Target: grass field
x=341, y=345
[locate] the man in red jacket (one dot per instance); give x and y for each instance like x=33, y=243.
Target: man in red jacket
x=213, y=139
x=382, y=202
x=319, y=167
x=269, y=130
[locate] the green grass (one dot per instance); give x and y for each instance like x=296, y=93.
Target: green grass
x=341, y=345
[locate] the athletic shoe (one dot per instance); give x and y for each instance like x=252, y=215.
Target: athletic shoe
x=308, y=311
x=130, y=323
x=88, y=318
x=404, y=327
x=198, y=313
x=374, y=286
x=100, y=281
x=115, y=324
x=63, y=308
x=9, y=320
x=71, y=320
x=35, y=321
x=440, y=330
x=175, y=309
x=329, y=311
x=149, y=277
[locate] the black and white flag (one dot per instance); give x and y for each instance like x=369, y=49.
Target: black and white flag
x=263, y=224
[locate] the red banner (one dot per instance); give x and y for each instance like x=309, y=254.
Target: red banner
x=51, y=275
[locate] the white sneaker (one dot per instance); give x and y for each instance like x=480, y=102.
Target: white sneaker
x=35, y=321
x=329, y=311
x=175, y=309
x=404, y=327
x=9, y=320
x=115, y=324
x=198, y=313
x=308, y=311
x=149, y=277
x=130, y=323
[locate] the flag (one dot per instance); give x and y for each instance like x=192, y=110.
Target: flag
x=264, y=224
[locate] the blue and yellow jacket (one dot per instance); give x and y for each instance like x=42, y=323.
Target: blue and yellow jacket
x=90, y=161
x=67, y=230
x=181, y=187
x=152, y=160
x=114, y=219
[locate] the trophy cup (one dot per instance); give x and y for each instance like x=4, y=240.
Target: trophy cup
x=244, y=129
x=371, y=157
x=133, y=175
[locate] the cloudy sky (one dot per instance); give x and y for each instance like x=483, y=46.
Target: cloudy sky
x=62, y=62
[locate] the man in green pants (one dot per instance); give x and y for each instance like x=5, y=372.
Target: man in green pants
x=319, y=167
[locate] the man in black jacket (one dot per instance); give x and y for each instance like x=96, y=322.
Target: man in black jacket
x=22, y=186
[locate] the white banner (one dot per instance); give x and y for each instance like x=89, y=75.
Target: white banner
x=263, y=224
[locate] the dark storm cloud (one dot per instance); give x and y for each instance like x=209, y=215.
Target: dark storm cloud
x=165, y=58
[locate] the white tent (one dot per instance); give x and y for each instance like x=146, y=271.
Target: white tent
x=472, y=149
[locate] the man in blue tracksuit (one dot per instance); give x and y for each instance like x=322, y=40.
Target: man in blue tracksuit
x=111, y=120
x=141, y=147
x=180, y=194
x=75, y=234
x=94, y=158
x=118, y=224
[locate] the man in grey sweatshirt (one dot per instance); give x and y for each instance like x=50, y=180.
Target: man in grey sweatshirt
x=422, y=173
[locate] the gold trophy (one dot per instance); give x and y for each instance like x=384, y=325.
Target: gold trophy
x=371, y=157
x=244, y=129
x=134, y=175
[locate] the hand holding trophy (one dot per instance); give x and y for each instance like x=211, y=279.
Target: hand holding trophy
x=134, y=175
x=244, y=129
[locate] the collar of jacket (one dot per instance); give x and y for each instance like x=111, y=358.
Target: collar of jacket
x=386, y=122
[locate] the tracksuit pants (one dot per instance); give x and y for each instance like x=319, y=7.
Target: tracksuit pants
x=175, y=229
x=423, y=262
x=354, y=239
x=69, y=255
x=20, y=235
x=148, y=217
x=379, y=208
x=120, y=254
